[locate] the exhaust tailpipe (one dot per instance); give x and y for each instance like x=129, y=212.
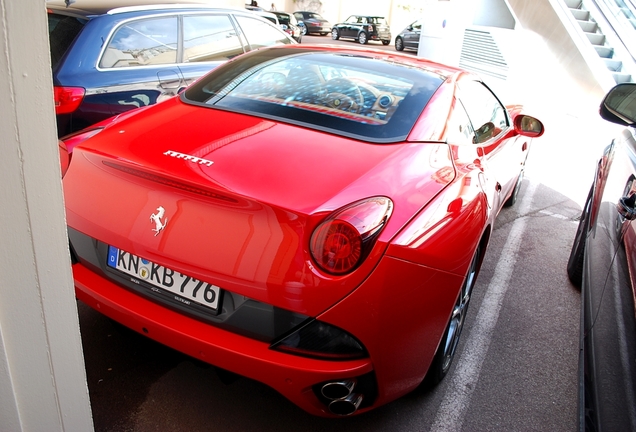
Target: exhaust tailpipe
x=338, y=389
x=346, y=406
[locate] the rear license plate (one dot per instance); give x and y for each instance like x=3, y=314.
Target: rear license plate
x=186, y=288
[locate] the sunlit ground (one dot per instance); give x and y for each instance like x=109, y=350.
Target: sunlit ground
x=564, y=158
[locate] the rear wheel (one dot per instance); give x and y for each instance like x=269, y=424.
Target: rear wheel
x=386, y=42
x=448, y=346
x=577, y=254
x=334, y=34
x=362, y=38
x=399, y=44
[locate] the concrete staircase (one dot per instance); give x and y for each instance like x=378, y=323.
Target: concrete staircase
x=589, y=20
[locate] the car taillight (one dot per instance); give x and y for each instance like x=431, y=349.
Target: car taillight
x=340, y=243
x=67, y=99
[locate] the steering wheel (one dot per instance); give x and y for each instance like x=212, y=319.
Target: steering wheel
x=344, y=94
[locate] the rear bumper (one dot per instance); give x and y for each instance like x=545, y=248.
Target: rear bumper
x=381, y=36
x=318, y=29
x=292, y=376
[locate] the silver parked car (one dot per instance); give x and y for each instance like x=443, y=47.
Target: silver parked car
x=409, y=38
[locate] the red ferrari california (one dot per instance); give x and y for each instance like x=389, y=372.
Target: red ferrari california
x=310, y=217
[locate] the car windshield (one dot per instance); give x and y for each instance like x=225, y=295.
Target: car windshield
x=283, y=19
x=352, y=95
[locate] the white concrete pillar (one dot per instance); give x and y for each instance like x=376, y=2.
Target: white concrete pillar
x=443, y=29
x=42, y=374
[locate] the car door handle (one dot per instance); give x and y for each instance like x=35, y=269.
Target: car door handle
x=626, y=207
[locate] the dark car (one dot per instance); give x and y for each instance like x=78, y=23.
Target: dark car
x=409, y=38
x=289, y=23
x=603, y=264
x=313, y=22
x=107, y=60
x=363, y=28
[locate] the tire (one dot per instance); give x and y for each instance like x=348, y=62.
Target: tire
x=323, y=34
x=334, y=34
x=577, y=254
x=448, y=345
x=304, y=31
x=399, y=44
x=386, y=42
x=512, y=199
x=362, y=38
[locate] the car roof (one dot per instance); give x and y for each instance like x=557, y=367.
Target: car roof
x=99, y=7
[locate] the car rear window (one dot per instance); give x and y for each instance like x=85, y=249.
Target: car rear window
x=62, y=32
x=378, y=20
x=352, y=95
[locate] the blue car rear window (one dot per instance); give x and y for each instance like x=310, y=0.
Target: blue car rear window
x=62, y=32
x=359, y=96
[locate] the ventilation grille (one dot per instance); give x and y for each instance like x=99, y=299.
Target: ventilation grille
x=481, y=54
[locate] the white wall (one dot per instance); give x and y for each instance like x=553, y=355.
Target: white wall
x=42, y=375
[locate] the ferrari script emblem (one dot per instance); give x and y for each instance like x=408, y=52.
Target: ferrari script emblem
x=156, y=218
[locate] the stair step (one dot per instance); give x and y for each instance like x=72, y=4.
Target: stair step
x=596, y=38
x=613, y=65
x=604, y=51
x=588, y=26
x=573, y=4
x=580, y=15
x=621, y=77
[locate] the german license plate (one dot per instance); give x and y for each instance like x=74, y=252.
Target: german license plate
x=186, y=288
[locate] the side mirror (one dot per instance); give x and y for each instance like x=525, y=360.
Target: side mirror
x=619, y=105
x=528, y=126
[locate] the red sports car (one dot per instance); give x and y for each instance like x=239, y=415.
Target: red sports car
x=311, y=217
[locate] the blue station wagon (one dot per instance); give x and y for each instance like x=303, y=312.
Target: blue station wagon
x=107, y=59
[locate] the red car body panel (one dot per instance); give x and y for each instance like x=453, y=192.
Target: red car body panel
x=269, y=236
x=243, y=195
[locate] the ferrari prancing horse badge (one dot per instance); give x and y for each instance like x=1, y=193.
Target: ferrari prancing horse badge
x=156, y=218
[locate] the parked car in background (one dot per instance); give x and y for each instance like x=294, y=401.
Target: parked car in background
x=290, y=25
x=343, y=290
x=108, y=59
x=269, y=16
x=363, y=28
x=409, y=38
x=603, y=264
x=313, y=22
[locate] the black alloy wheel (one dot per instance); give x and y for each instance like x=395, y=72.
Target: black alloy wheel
x=447, y=348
